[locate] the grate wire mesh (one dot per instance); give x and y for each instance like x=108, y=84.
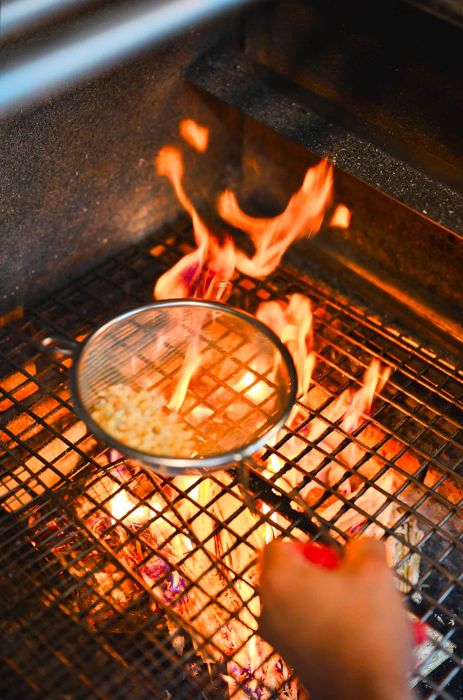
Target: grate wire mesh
x=79, y=618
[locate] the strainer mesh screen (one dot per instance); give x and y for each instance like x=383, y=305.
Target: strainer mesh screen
x=238, y=384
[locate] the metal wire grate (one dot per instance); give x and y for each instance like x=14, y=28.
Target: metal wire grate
x=81, y=617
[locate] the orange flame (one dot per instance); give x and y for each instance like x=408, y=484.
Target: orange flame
x=125, y=508
x=191, y=363
x=341, y=217
x=200, y=273
x=293, y=324
x=194, y=134
x=374, y=379
x=197, y=273
x=272, y=237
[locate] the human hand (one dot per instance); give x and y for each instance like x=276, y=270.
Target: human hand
x=344, y=628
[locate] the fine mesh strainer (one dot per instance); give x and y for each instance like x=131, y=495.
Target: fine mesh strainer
x=182, y=386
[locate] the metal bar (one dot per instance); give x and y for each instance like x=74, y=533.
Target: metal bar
x=100, y=44
x=20, y=15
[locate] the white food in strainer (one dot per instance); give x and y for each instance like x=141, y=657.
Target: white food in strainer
x=140, y=420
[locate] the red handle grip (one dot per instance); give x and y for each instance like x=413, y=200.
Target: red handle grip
x=319, y=554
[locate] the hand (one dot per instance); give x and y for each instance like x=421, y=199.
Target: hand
x=344, y=630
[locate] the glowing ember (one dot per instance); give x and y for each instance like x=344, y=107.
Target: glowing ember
x=341, y=217
x=19, y=384
x=212, y=610
x=195, y=134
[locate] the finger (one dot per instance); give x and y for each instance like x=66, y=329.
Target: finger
x=283, y=567
x=274, y=559
x=365, y=551
x=280, y=555
x=275, y=553
x=264, y=627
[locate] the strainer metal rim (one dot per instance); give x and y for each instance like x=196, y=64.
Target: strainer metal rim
x=176, y=465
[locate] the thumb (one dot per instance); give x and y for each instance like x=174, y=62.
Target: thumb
x=364, y=552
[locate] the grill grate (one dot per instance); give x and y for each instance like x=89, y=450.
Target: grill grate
x=78, y=619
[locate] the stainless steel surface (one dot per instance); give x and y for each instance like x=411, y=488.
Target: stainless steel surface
x=62, y=345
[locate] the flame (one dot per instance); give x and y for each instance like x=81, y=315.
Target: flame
x=179, y=526
x=198, y=272
x=341, y=217
x=272, y=237
x=269, y=530
x=191, y=364
x=177, y=282
x=292, y=322
x=124, y=509
x=194, y=134
x=248, y=383
x=201, y=273
x=374, y=380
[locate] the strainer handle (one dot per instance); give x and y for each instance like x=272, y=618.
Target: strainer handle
x=60, y=344
x=316, y=526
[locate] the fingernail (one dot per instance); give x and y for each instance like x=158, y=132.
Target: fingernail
x=318, y=554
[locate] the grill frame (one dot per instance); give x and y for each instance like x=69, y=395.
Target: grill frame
x=128, y=280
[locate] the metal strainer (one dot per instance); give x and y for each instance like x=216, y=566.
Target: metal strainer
x=182, y=386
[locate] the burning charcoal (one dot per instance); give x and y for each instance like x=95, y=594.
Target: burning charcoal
x=208, y=680
x=19, y=384
x=406, y=562
x=104, y=590
x=34, y=478
x=26, y=426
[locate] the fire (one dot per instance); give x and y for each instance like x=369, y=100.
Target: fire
x=191, y=364
x=194, y=134
x=269, y=530
x=197, y=273
x=374, y=380
x=211, y=261
x=292, y=322
x=341, y=217
x=206, y=272
x=124, y=508
x=182, y=547
x=303, y=216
